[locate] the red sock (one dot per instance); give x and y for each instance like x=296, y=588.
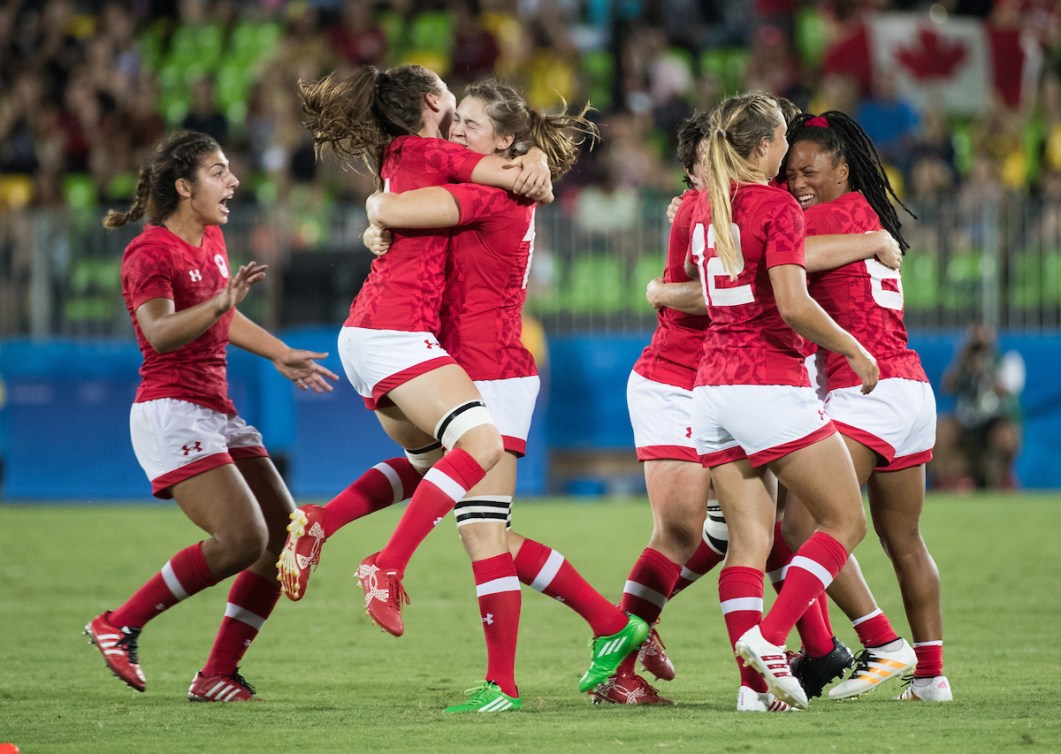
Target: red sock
x=823, y=610
x=702, y=561
x=447, y=482
x=383, y=485
x=816, y=637
x=812, y=569
x=650, y=581
x=250, y=601
x=185, y=574
x=929, y=659
x=740, y=594
x=549, y=572
x=874, y=630
x=497, y=588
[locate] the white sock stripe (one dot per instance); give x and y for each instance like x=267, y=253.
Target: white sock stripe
x=548, y=571
x=449, y=486
x=742, y=604
x=392, y=477
x=645, y=593
x=172, y=582
x=866, y=617
x=779, y=574
x=243, y=615
x=814, y=568
x=928, y=644
x=690, y=575
x=496, y=586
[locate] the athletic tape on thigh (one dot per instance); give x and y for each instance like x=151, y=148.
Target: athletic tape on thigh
x=716, y=531
x=424, y=458
x=458, y=421
x=483, y=509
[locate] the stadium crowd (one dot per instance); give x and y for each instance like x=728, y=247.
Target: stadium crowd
x=90, y=86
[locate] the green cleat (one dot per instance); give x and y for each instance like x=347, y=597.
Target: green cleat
x=487, y=697
x=609, y=651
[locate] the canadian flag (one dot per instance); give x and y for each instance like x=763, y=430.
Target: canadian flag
x=957, y=63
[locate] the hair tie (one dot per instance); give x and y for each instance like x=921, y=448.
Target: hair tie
x=723, y=134
x=818, y=121
x=381, y=78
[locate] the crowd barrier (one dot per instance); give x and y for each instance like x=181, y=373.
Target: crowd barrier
x=64, y=417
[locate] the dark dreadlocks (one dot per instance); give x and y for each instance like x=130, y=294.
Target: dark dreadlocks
x=840, y=136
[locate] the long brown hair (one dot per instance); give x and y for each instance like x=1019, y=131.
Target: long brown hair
x=177, y=156
x=736, y=128
x=359, y=116
x=559, y=135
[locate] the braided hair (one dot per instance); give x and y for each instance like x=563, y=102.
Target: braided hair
x=177, y=156
x=839, y=135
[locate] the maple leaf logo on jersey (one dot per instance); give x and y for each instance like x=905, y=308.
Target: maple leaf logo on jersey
x=932, y=56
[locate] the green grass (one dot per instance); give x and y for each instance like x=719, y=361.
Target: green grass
x=331, y=681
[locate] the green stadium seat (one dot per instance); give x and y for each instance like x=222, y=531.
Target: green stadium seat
x=432, y=32
x=644, y=269
x=595, y=284
x=728, y=64
x=599, y=68
x=811, y=36
x=963, y=281
x=93, y=295
x=920, y=275
x=250, y=43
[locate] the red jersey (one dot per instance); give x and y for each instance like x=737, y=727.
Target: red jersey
x=865, y=297
x=404, y=288
x=674, y=352
x=486, y=283
x=158, y=264
x=748, y=343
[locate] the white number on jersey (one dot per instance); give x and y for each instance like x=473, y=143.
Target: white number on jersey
x=878, y=273
x=529, y=238
x=712, y=269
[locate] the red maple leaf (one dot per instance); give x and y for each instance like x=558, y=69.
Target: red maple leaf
x=932, y=56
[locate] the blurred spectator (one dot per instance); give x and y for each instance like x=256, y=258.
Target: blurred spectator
x=475, y=49
x=356, y=37
x=982, y=438
x=933, y=145
x=890, y=120
x=204, y=114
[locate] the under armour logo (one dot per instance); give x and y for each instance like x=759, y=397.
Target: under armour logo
x=431, y=344
x=688, y=432
x=195, y=275
x=822, y=414
x=189, y=447
x=488, y=619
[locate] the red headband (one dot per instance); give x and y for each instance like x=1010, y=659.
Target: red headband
x=818, y=121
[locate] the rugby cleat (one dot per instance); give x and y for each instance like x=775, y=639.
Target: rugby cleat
x=609, y=651
x=384, y=595
x=487, y=697
x=627, y=689
x=874, y=666
x=771, y=662
x=118, y=645
x=221, y=688
x=301, y=552
x=926, y=690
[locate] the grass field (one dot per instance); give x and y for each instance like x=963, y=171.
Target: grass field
x=332, y=681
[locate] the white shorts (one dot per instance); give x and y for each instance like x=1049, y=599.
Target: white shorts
x=377, y=361
x=175, y=440
x=759, y=422
x=662, y=418
x=815, y=364
x=897, y=420
x=511, y=405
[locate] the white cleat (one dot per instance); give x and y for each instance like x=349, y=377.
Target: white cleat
x=749, y=700
x=874, y=666
x=771, y=662
x=926, y=690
